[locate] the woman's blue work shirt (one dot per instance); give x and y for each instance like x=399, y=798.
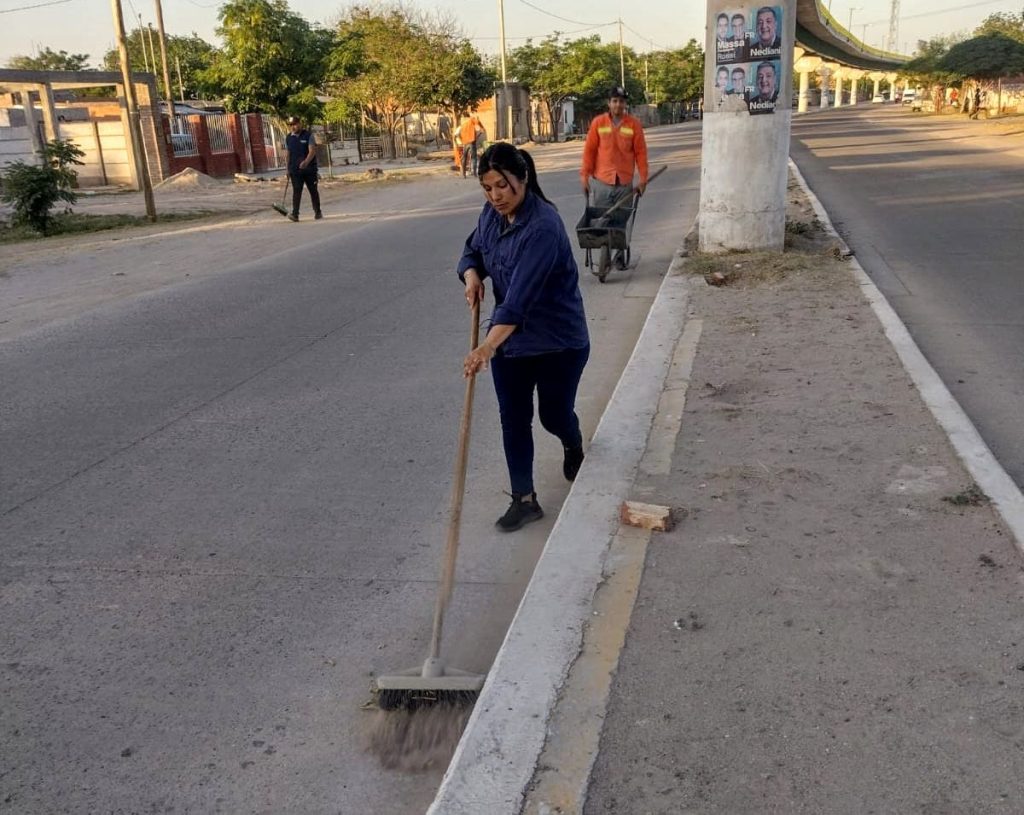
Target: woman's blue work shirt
x=534, y=277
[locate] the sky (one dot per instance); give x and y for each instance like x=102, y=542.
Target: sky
x=86, y=26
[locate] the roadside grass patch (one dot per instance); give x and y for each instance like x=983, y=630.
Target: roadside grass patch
x=78, y=224
x=753, y=268
x=971, y=496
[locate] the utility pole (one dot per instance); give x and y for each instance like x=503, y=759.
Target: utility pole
x=152, y=51
x=622, y=60
x=168, y=92
x=142, y=45
x=504, y=74
x=181, y=88
x=134, y=126
x=849, y=26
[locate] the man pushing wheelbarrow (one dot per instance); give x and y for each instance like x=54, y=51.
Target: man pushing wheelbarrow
x=614, y=151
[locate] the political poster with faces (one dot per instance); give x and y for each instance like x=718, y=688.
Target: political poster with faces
x=748, y=59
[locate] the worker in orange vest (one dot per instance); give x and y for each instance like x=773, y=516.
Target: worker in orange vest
x=614, y=151
x=467, y=135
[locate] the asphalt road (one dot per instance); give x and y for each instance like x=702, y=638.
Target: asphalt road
x=222, y=502
x=934, y=209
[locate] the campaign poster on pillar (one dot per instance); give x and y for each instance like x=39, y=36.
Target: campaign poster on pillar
x=747, y=49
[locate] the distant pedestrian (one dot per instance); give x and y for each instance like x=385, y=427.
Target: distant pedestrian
x=302, y=169
x=468, y=135
x=977, y=103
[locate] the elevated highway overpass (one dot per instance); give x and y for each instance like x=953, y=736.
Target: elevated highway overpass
x=825, y=47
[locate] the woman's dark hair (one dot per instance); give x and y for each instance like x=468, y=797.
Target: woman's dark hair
x=506, y=158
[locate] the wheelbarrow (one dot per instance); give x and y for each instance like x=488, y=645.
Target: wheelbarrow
x=608, y=230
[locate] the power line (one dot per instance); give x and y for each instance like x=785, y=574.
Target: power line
x=566, y=19
x=646, y=39
x=541, y=36
x=37, y=5
x=934, y=12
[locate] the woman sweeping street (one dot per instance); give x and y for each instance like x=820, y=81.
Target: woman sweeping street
x=538, y=340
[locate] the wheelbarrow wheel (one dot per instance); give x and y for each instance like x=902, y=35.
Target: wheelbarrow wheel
x=604, y=263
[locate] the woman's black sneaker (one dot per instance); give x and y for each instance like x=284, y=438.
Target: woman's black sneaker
x=572, y=462
x=520, y=513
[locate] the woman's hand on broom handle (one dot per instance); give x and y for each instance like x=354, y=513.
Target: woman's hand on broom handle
x=477, y=359
x=474, y=287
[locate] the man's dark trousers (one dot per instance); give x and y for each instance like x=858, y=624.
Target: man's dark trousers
x=309, y=178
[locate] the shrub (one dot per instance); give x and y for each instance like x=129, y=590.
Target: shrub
x=34, y=190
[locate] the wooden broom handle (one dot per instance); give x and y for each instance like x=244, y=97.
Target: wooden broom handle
x=444, y=593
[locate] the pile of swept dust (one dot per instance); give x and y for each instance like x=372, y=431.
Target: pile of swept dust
x=188, y=178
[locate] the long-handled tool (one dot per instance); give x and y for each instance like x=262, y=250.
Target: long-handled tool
x=622, y=201
x=279, y=208
x=435, y=682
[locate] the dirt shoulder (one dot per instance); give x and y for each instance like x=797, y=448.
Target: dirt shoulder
x=834, y=625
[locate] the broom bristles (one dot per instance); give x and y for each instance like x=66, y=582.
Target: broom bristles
x=418, y=739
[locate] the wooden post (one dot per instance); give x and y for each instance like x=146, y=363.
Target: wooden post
x=168, y=92
x=134, y=126
x=99, y=151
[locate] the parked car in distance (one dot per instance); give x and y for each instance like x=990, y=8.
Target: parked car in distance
x=909, y=96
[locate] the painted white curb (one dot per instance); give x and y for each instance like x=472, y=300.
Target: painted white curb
x=498, y=753
x=983, y=467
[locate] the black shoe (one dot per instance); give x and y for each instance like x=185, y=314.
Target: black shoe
x=572, y=462
x=293, y=217
x=620, y=260
x=319, y=216
x=520, y=513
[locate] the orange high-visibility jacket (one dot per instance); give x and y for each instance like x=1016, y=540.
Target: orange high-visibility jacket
x=468, y=131
x=611, y=153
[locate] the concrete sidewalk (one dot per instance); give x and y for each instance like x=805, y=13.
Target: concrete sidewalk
x=835, y=624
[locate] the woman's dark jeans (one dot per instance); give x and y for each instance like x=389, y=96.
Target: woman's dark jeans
x=555, y=377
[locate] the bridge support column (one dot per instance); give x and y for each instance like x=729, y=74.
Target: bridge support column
x=839, y=88
x=805, y=65
x=855, y=75
x=744, y=160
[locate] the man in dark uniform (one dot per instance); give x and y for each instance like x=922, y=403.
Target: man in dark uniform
x=302, y=167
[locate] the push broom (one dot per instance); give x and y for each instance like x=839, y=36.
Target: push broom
x=279, y=208
x=426, y=707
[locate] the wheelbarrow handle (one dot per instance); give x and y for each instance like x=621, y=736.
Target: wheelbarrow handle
x=633, y=197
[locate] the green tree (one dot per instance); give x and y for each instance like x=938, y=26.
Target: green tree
x=192, y=53
x=33, y=191
x=272, y=60
x=540, y=68
x=47, y=59
x=676, y=76
x=989, y=56
x=925, y=67
x=583, y=69
x=1006, y=23
x=461, y=79
x=386, y=63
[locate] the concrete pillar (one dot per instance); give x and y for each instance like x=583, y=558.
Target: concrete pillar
x=804, y=65
x=877, y=91
x=31, y=122
x=824, y=79
x=855, y=75
x=891, y=79
x=744, y=161
x=839, y=88
x=49, y=111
